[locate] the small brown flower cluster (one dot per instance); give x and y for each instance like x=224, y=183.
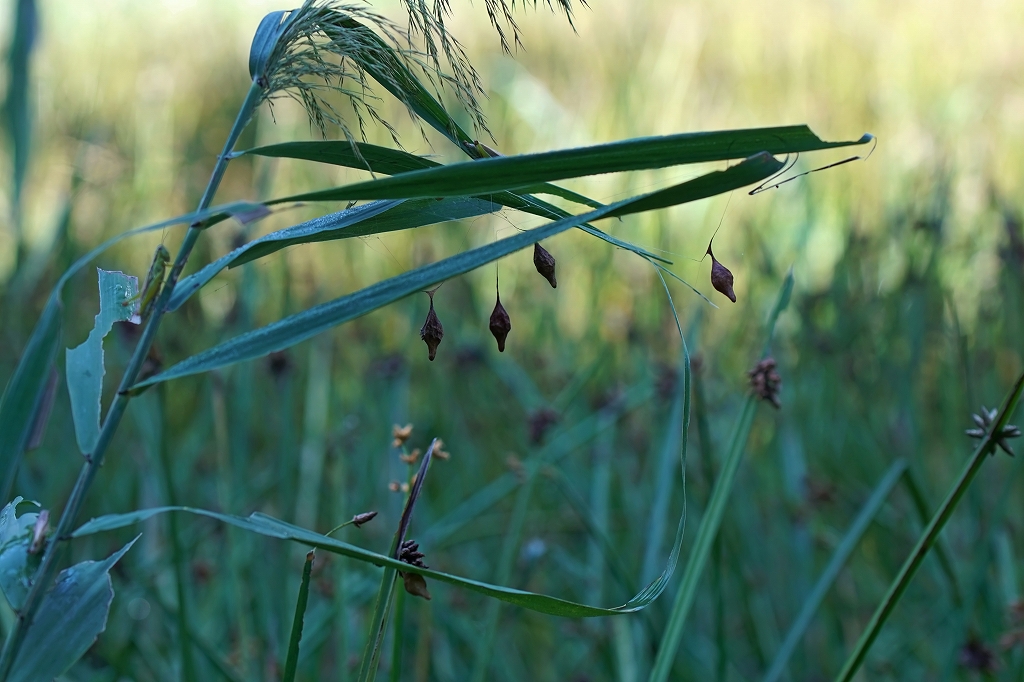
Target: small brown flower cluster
x=984, y=421
x=414, y=583
x=978, y=656
x=500, y=324
x=401, y=434
x=766, y=382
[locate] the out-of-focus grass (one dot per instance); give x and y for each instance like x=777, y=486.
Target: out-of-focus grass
x=907, y=313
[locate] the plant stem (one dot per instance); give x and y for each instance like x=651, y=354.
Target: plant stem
x=48, y=566
x=930, y=535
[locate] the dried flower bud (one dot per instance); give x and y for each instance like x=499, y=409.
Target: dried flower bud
x=545, y=264
x=438, y=452
x=415, y=585
x=359, y=519
x=411, y=457
x=721, y=277
x=432, y=332
x=500, y=325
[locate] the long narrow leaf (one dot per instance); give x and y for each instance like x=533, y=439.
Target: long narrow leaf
x=498, y=174
x=393, y=162
x=302, y=326
x=712, y=519
x=376, y=217
x=292, y=659
x=929, y=536
x=835, y=565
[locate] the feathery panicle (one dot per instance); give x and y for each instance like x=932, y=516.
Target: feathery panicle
x=327, y=46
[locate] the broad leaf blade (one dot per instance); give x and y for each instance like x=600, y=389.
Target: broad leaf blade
x=72, y=615
x=17, y=566
x=301, y=326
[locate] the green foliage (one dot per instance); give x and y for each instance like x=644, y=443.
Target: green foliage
x=562, y=479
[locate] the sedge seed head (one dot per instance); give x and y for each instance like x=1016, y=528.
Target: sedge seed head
x=500, y=325
x=545, y=264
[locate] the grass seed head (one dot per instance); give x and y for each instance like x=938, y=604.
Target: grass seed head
x=432, y=332
x=721, y=277
x=545, y=264
x=500, y=325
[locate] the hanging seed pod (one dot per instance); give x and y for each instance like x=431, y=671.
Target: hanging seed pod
x=432, y=332
x=721, y=277
x=500, y=325
x=545, y=264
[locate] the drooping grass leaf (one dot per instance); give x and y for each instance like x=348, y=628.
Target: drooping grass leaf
x=928, y=537
x=712, y=519
x=274, y=528
x=299, y=327
x=374, y=218
x=498, y=174
x=84, y=364
x=72, y=615
x=835, y=565
x=26, y=390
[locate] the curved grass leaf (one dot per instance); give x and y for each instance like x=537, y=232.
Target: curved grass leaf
x=72, y=615
x=711, y=521
x=26, y=390
x=374, y=218
x=930, y=535
x=274, y=528
x=498, y=174
x=292, y=660
x=301, y=326
x=835, y=565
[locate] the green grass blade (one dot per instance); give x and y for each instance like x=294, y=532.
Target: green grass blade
x=274, y=528
x=292, y=660
x=929, y=536
x=835, y=565
x=302, y=326
x=509, y=549
x=498, y=174
x=17, y=107
x=393, y=162
x=374, y=218
x=702, y=545
x=712, y=520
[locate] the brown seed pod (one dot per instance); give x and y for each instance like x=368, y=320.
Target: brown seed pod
x=500, y=325
x=721, y=277
x=432, y=332
x=545, y=264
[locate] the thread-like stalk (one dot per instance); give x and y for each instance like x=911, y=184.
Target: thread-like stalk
x=44, y=575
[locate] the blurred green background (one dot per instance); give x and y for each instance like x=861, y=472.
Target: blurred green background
x=908, y=314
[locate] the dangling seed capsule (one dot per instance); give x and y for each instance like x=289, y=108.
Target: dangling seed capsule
x=545, y=264
x=501, y=325
x=432, y=332
x=721, y=277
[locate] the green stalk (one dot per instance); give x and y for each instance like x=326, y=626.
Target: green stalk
x=916, y=491
x=929, y=536
x=292, y=661
x=396, y=640
x=44, y=575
